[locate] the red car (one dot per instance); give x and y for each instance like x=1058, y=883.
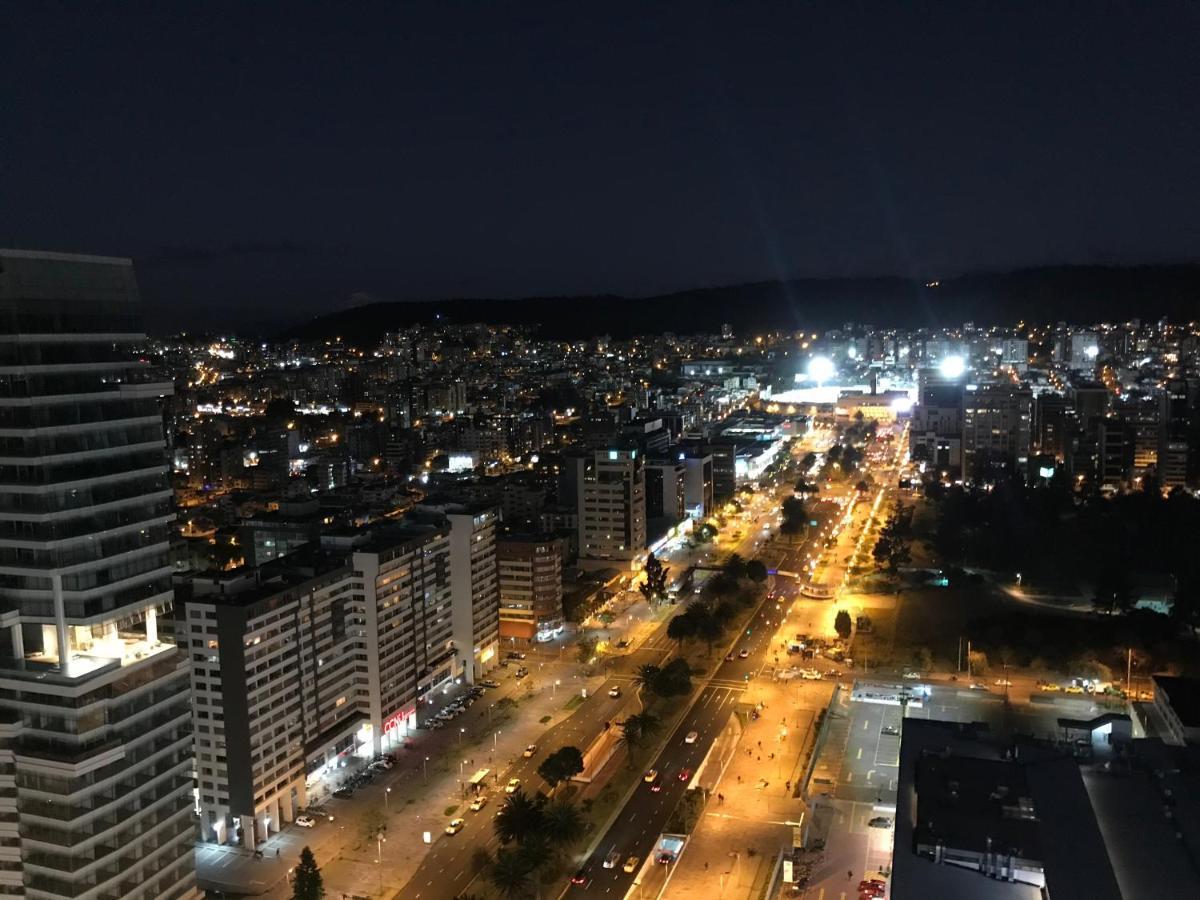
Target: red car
x=656, y=784
x=685, y=775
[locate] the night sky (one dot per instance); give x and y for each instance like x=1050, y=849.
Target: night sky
x=265, y=164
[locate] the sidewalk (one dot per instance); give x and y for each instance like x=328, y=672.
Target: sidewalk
x=736, y=841
x=411, y=798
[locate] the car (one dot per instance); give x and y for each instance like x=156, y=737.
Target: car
x=479, y=803
x=614, y=857
x=583, y=876
x=455, y=826
x=879, y=822
x=871, y=884
x=657, y=784
x=515, y=655
x=306, y=821
x=912, y=675
x=810, y=674
x=650, y=776
x=742, y=654
x=976, y=686
x=631, y=865
x=1074, y=689
x=513, y=784
x=1002, y=682
x=1049, y=686
x=622, y=644
x=490, y=683
x=833, y=673
x=684, y=775
x=344, y=793
x=529, y=751
x=728, y=657
x=521, y=673
x=889, y=729
x=614, y=692
x=691, y=737
x=665, y=858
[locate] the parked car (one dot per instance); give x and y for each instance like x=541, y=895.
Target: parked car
x=344, y=793
x=306, y=821
x=880, y=822
x=490, y=683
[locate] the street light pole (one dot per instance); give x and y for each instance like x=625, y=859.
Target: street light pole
x=425, y=769
x=386, y=792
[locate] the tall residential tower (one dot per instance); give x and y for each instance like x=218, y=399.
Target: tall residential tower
x=95, y=723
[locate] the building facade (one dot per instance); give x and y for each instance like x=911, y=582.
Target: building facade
x=612, y=505
x=97, y=739
x=531, y=588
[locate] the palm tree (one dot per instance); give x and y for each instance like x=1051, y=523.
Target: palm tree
x=510, y=873
x=645, y=677
x=519, y=819
x=563, y=823
x=639, y=728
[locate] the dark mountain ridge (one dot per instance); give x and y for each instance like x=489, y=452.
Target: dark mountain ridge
x=1076, y=294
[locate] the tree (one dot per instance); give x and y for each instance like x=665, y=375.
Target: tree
x=1113, y=592
x=842, y=624
x=681, y=627
x=795, y=516
x=306, y=878
x=561, y=765
x=519, y=818
x=563, y=822
x=654, y=586
x=510, y=873
x=735, y=567
x=1185, y=602
x=674, y=680
x=646, y=676
x=585, y=648
x=637, y=729
x=756, y=571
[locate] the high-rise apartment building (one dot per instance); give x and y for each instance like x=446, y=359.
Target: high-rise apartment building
x=612, y=505
x=531, y=587
x=996, y=428
x=97, y=740
x=474, y=579
x=309, y=659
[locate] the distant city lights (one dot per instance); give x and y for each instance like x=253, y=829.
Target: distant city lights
x=952, y=367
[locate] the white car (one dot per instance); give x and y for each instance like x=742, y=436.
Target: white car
x=306, y=821
x=912, y=675
x=513, y=784
x=1003, y=682
x=529, y=751
x=691, y=737
x=455, y=826
x=810, y=674
x=610, y=861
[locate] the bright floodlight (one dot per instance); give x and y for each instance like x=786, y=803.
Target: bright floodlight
x=820, y=368
x=1092, y=352
x=952, y=366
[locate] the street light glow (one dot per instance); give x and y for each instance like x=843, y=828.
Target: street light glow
x=820, y=369
x=952, y=366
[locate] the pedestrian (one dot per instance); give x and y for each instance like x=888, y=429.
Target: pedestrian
x=277, y=853
x=789, y=785
x=760, y=757
x=706, y=865
x=849, y=875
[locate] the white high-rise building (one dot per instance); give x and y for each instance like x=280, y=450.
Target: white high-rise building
x=96, y=744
